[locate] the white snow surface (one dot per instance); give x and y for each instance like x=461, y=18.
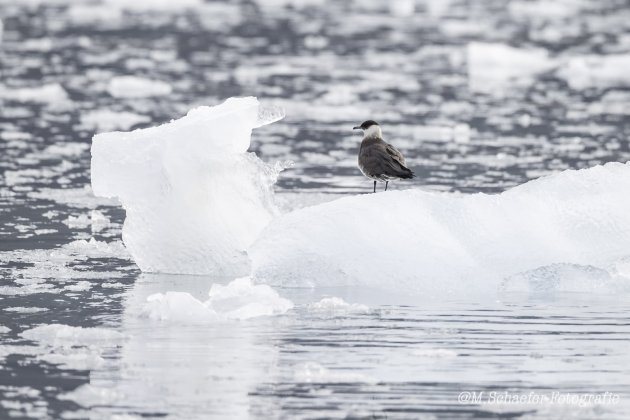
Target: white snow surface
x=431, y=243
x=195, y=198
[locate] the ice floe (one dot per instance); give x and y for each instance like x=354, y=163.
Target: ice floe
x=238, y=300
x=335, y=306
x=313, y=372
x=599, y=71
x=53, y=94
x=66, y=346
x=137, y=87
x=496, y=68
x=106, y=120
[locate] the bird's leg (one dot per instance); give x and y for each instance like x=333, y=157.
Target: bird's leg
x=374, y=186
x=386, y=182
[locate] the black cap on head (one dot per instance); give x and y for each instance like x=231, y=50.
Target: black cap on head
x=366, y=124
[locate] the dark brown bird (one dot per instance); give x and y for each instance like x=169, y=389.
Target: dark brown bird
x=379, y=160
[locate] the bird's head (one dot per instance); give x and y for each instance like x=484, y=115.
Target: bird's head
x=370, y=128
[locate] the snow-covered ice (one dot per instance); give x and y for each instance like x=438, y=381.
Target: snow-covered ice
x=195, y=198
x=434, y=243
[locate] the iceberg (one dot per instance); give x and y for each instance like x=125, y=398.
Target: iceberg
x=198, y=203
x=195, y=198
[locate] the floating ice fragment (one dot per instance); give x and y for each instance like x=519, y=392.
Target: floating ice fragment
x=137, y=87
x=89, y=395
x=402, y=8
x=52, y=94
x=77, y=222
x=334, y=306
x=106, y=120
x=99, y=221
x=599, y=71
x=80, y=286
x=493, y=68
x=25, y=310
x=195, y=198
x=313, y=372
x=76, y=359
x=59, y=335
x=239, y=299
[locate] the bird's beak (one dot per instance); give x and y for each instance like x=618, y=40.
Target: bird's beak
x=356, y=128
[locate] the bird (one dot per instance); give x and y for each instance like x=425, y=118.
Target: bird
x=379, y=160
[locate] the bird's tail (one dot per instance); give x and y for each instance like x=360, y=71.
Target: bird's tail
x=406, y=173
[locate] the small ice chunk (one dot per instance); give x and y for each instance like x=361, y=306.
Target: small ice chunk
x=80, y=286
x=600, y=71
x=334, y=306
x=402, y=8
x=81, y=221
x=99, y=221
x=106, y=120
x=492, y=68
x=76, y=359
x=313, y=372
x=239, y=300
x=177, y=307
x=137, y=87
x=25, y=310
x=59, y=335
x=4, y=329
x=89, y=395
x=52, y=94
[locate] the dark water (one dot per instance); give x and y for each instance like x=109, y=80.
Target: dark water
x=331, y=64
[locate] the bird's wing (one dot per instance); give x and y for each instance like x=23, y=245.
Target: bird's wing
x=379, y=160
x=395, y=154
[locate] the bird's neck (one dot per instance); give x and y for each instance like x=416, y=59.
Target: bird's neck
x=373, y=131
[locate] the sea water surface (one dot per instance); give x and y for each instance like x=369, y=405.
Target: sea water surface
x=74, y=342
